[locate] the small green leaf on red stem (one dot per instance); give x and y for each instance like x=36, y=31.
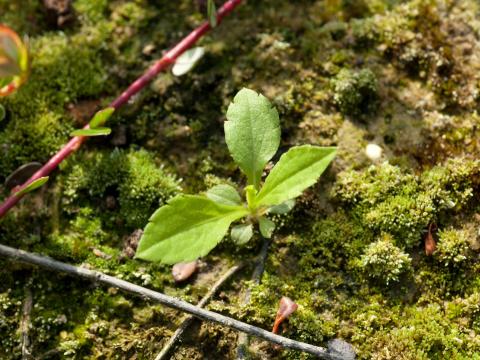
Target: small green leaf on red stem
x=92, y=132
x=101, y=117
x=212, y=13
x=32, y=186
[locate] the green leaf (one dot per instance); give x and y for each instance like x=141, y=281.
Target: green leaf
x=32, y=186
x=101, y=117
x=187, y=61
x=252, y=133
x=283, y=208
x=224, y=194
x=212, y=13
x=241, y=234
x=297, y=169
x=185, y=229
x=92, y=132
x=266, y=226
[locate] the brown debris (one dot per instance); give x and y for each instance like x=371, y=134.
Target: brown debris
x=131, y=243
x=287, y=307
x=430, y=244
x=59, y=12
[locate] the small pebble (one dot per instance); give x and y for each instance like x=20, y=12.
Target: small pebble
x=101, y=254
x=341, y=348
x=22, y=174
x=373, y=152
x=182, y=271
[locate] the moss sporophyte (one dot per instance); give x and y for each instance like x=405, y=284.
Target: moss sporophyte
x=190, y=226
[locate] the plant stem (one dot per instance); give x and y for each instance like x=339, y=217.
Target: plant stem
x=168, y=59
x=242, y=342
x=25, y=323
x=188, y=320
x=166, y=300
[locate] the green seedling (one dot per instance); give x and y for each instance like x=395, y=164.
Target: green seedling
x=92, y=132
x=34, y=185
x=95, y=129
x=190, y=226
x=212, y=13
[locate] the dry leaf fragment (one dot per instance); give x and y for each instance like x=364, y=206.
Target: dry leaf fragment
x=430, y=244
x=286, y=308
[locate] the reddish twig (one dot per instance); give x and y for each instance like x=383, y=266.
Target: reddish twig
x=168, y=59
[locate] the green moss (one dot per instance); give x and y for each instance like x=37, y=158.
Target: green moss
x=64, y=69
x=424, y=333
x=402, y=204
x=10, y=305
x=384, y=261
x=130, y=180
x=452, y=247
x=23, y=16
x=91, y=11
x=145, y=188
x=356, y=93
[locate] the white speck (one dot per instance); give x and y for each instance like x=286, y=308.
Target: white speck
x=187, y=61
x=373, y=152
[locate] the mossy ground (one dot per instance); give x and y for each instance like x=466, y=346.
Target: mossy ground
x=401, y=74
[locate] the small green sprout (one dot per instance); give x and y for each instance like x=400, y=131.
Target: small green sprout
x=101, y=117
x=212, y=13
x=95, y=129
x=103, y=131
x=34, y=185
x=190, y=226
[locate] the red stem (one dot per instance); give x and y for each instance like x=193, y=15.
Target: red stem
x=168, y=59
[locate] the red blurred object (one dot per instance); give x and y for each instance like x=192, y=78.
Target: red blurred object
x=287, y=307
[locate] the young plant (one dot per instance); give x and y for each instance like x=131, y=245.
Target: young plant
x=212, y=13
x=190, y=226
